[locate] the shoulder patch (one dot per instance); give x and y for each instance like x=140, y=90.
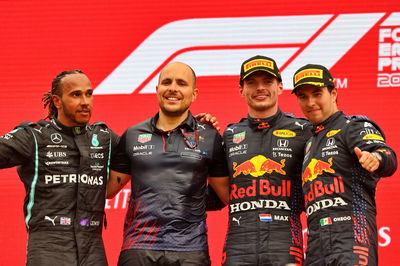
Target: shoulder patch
x=358, y=117
x=289, y=115
x=367, y=122
x=26, y=124
x=99, y=123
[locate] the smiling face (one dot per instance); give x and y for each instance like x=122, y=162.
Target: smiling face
x=317, y=104
x=176, y=89
x=75, y=104
x=261, y=91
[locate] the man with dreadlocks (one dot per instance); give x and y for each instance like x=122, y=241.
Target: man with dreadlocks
x=63, y=164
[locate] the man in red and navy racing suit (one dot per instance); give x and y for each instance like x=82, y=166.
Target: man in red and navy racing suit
x=344, y=159
x=63, y=164
x=264, y=153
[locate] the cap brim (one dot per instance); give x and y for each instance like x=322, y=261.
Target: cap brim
x=316, y=84
x=260, y=69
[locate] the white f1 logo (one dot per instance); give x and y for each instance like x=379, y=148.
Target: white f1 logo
x=217, y=46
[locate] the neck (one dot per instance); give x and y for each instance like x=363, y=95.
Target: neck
x=263, y=114
x=65, y=122
x=166, y=122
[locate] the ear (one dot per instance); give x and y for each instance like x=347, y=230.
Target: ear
x=280, y=87
x=334, y=95
x=56, y=101
x=241, y=90
x=195, y=93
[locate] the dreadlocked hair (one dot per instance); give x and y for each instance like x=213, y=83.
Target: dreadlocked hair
x=56, y=89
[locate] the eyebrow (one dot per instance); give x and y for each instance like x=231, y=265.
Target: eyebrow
x=317, y=89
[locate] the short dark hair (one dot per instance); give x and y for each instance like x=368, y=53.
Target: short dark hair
x=56, y=89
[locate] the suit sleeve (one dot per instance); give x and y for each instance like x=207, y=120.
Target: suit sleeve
x=367, y=136
x=114, y=143
x=218, y=165
x=16, y=147
x=120, y=159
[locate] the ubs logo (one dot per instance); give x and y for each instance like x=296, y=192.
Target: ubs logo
x=283, y=143
x=56, y=138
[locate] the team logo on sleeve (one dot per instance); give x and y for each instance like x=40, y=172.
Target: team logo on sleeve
x=373, y=137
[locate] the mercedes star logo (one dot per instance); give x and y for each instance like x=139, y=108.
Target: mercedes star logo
x=56, y=138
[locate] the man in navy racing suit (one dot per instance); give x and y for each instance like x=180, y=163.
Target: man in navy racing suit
x=344, y=160
x=63, y=164
x=264, y=153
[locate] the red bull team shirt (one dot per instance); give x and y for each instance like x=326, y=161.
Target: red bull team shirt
x=169, y=177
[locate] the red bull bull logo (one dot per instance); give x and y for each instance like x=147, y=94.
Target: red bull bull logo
x=258, y=166
x=316, y=168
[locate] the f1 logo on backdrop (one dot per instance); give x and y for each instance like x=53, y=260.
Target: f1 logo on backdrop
x=217, y=46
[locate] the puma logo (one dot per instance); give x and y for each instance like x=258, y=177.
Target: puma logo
x=237, y=220
x=300, y=125
x=47, y=218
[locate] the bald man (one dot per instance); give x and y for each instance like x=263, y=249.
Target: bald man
x=169, y=158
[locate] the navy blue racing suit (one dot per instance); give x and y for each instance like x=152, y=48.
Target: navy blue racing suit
x=339, y=194
x=264, y=159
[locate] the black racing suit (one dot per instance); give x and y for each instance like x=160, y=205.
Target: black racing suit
x=169, y=176
x=339, y=194
x=65, y=172
x=264, y=159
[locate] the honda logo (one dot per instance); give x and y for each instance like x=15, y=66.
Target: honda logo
x=283, y=143
x=330, y=142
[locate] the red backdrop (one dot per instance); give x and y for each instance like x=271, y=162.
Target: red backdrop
x=122, y=45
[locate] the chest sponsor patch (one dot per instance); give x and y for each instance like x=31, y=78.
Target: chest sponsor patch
x=143, y=138
x=284, y=133
x=332, y=132
x=239, y=137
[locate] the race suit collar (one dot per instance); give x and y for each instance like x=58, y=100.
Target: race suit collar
x=188, y=124
x=261, y=123
x=327, y=123
x=67, y=130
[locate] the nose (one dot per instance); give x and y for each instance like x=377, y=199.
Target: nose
x=85, y=100
x=261, y=86
x=310, y=101
x=173, y=87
